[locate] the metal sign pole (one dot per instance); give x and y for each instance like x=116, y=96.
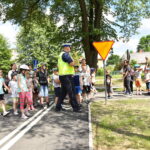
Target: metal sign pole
x=105, y=82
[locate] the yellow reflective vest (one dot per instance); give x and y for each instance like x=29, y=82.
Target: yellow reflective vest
x=63, y=67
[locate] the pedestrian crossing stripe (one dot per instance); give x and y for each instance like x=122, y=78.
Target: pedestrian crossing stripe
x=103, y=48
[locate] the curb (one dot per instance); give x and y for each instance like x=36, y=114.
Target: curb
x=90, y=128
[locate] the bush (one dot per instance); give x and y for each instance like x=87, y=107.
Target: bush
x=100, y=72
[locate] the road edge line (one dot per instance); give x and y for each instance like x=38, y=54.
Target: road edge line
x=9, y=144
x=15, y=131
x=90, y=128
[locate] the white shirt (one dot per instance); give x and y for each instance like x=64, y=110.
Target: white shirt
x=14, y=88
x=86, y=79
x=138, y=74
x=147, y=77
x=55, y=77
x=10, y=73
x=87, y=68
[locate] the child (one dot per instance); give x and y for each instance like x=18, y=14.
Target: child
x=30, y=87
x=138, y=80
x=147, y=79
x=35, y=90
x=14, y=91
x=24, y=94
x=56, y=84
x=78, y=85
x=2, y=101
x=93, y=80
x=86, y=84
x=109, y=84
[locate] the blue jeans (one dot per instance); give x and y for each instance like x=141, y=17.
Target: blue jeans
x=43, y=91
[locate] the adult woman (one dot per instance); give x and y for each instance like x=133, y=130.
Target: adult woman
x=43, y=80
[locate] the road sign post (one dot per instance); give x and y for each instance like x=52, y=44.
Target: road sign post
x=104, y=65
x=103, y=48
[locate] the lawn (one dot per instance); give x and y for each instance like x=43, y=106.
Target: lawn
x=121, y=125
x=8, y=107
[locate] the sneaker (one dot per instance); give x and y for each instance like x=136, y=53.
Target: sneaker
x=24, y=117
x=57, y=110
x=42, y=106
x=16, y=113
x=77, y=110
x=47, y=105
x=6, y=113
x=27, y=114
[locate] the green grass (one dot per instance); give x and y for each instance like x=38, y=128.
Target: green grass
x=121, y=125
x=8, y=106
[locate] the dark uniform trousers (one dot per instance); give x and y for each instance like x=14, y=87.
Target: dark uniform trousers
x=67, y=87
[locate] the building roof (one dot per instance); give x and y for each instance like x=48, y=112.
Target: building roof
x=139, y=57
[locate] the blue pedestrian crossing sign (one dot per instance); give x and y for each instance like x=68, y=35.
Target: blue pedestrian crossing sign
x=35, y=63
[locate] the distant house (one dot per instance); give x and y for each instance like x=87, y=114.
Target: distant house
x=100, y=62
x=139, y=57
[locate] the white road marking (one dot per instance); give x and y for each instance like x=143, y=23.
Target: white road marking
x=90, y=129
x=25, y=130
x=7, y=137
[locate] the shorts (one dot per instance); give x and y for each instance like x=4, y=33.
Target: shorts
x=15, y=99
x=109, y=89
x=78, y=90
x=86, y=89
x=43, y=91
x=1, y=97
x=25, y=98
x=138, y=82
x=57, y=91
x=148, y=85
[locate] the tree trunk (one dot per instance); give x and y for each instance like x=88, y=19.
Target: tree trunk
x=88, y=27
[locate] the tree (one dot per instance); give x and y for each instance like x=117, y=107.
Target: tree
x=5, y=55
x=39, y=43
x=132, y=63
x=113, y=60
x=144, y=44
x=83, y=20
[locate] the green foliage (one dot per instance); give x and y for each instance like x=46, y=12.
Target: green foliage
x=100, y=72
x=144, y=44
x=133, y=62
x=110, y=68
x=5, y=55
x=113, y=60
x=118, y=66
x=83, y=21
x=40, y=42
x=131, y=51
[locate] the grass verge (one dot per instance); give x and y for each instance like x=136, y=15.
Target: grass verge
x=8, y=107
x=121, y=125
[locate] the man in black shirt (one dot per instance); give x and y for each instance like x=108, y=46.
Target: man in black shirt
x=127, y=76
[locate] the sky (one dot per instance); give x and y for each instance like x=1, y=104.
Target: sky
x=10, y=31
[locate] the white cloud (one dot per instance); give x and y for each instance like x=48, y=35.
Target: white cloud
x=120, y=47
x=9, y=31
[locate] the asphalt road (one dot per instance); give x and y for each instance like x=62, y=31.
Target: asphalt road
x=55, y=131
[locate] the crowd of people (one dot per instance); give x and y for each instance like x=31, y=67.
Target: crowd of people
x=131, y=75
x=29, y=89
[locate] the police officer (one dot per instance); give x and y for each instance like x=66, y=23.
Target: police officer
x=66, y=72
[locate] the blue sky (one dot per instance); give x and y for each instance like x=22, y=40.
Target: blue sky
x=10, y=32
